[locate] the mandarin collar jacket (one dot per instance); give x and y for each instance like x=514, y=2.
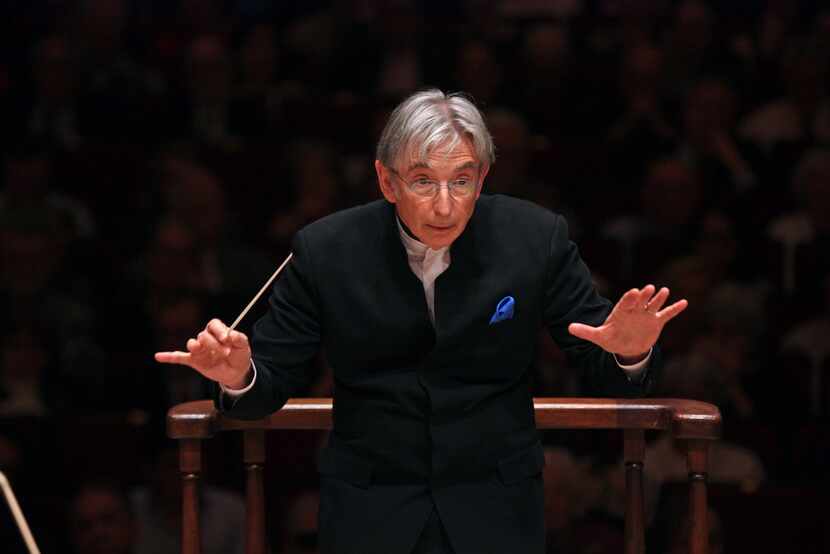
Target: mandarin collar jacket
x=427, y=413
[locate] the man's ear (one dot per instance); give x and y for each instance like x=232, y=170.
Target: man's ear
x=385, y=182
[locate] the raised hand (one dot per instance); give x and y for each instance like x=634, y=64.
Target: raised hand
x=634, y=324
x=217, y=353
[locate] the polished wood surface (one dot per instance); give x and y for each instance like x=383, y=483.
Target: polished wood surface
x=634, y=450
x=697, y=458
x=190, y=465
x=693, y=423
x=254, y=459
x=686, y=419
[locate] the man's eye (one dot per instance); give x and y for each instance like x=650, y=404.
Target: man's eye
x=461, y=182
x=423, y=182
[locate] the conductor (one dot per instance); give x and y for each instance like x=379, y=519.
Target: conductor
x=428, y=305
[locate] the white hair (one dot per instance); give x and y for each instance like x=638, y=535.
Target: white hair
x=429, y=119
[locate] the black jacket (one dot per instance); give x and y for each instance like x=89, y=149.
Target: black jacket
x=423, y=412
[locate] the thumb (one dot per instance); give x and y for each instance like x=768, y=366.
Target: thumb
x=585, y=332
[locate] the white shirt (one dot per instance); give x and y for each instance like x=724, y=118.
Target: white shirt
x=427, y=264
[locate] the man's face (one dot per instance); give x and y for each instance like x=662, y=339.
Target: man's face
x=438, y=220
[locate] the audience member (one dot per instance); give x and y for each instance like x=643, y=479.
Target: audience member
x=101, y=520
x=642, y=242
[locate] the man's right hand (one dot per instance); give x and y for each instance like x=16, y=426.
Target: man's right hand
x=217, y=353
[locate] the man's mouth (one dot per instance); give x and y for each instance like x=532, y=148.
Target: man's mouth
x=440, y=227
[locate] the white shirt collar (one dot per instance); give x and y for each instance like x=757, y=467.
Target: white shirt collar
x=427, y=264
x=414, y=247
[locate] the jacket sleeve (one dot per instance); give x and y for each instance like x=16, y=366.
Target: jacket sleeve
x=283, y=342
x=570, y=297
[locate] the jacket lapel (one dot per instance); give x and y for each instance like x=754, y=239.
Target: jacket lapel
x=455, y=289
x=393, y=269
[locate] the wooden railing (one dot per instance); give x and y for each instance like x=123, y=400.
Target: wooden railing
x=693, y=423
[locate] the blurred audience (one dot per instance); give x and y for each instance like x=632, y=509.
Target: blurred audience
x=158, y=157
x=157, y=513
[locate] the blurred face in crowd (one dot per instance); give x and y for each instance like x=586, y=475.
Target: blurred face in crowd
x=478, y=71
x=315, y=174
x=258, y=55
x=23, y=358
x=209, y=71
x=709, y=111
x=692, y=26
x=670, y=183
x=54, y=72
x=510, y=129
x=103, y=23
x=28, y=260
x=197, y=200
x=546, y=46
x=176, y=321
x=640, y=72
x=27, y=178
x=817, y=196
x=439, y=219
x=172, y=257
x=102, y=523
x=716, y=243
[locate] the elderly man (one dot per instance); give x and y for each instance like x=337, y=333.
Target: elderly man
x=428, y=306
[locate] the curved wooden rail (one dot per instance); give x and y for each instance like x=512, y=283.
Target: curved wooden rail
x=692, y=422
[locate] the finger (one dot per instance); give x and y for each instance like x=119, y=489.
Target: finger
x=585, y=332
x=213, y=348
x=237, y=340
x=218, y=329
x=629, y=299
x=658, y=300
x=670, y=312
x=194, y=346
x=645, y=295
x=210, y=345
x=173, y=357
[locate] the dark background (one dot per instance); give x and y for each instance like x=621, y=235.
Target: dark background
x=157, y=157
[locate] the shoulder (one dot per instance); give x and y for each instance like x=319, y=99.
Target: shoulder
x=352, y=226
x=518, y=219
x=499, y=208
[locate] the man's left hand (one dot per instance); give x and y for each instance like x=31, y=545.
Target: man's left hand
x=634, y=324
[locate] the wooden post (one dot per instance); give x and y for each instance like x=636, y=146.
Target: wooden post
x=697, y=454
x=254, y=457
x=190, y=466
x=634, y=452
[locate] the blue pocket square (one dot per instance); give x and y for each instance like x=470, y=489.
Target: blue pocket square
x=504, y=310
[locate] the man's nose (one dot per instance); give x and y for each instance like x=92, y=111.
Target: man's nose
x=442, y=203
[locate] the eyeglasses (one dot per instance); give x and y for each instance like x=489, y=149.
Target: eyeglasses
x=428, y=188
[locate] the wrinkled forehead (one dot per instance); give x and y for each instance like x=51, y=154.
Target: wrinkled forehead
x=454, y=153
